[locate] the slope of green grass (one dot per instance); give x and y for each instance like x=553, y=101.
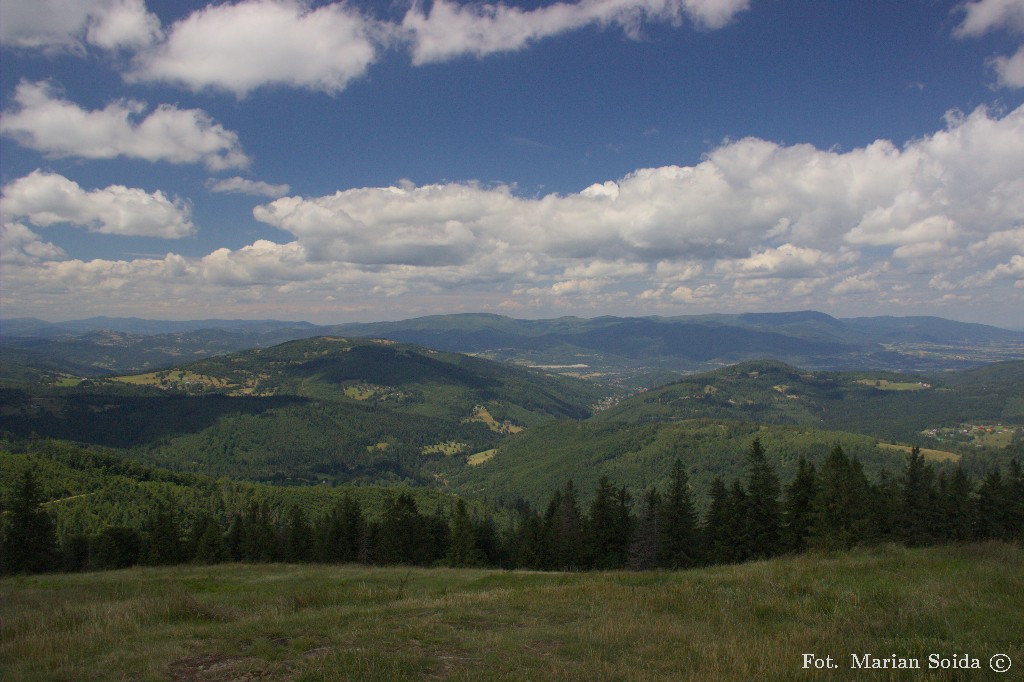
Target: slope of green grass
x=746, y=622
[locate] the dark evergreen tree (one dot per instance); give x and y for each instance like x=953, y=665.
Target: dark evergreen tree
x=163, y=545
x=403, y=536
x=563, y=531
x=643, y=550
x=462, y=548
x=208, y=546
x=298, y=536
x=75, y=553
x=798, y=507
x=117, y=547
x=527, y=545
x=677, y=533
x=29, y=543
x=259, y=539
x=1015, y=501
x=763, y=512
x=917, y=509
x=608, y=527
x=842, y=510
x=956, y=522
x=991, y=507
x=717, y=542
x=338, y=532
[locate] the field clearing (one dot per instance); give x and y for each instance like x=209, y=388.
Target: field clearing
x=481, y=457
x=927, y=453
x=752, y=621
x=886, y=385
x=448, y=448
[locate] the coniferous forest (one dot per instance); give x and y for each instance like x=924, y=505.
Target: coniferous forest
x=833, y=506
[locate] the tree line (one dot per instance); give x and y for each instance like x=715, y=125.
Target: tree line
x=833, y=506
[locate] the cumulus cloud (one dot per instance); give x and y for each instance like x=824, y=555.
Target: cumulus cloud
x=450, y=30
x=43, y=120
x=45, y=199
x=237, y=185
x=983, y=16
x=71, y=25
x=753, y=224
x=242, y=46
x=1009, y=70
x=18, y=244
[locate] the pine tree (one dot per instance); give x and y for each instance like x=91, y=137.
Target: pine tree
x=30, y=543
x=678, y=541
x=798, y=507
x=403, y=536
x=118, y=547
x=763, y=513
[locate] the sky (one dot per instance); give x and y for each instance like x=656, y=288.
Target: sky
x=358, y=161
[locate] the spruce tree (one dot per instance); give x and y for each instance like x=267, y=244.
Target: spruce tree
x=163, y=541
x=917, y=501
x=763, y=512
x=716, y=525
x=298, y=536
x=608, y=527
x=563, y=531
x=643, y=548
x=462, y=547
x=208, y=541
x=30, y=543
x=798, y=507
x=677, y=538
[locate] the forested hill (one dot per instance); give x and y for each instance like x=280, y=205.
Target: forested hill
x=322, y=409
x=611, y=349
x=880, y=404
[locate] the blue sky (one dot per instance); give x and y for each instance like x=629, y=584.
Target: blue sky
x=361, y=161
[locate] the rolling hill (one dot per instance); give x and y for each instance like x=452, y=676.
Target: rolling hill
x=314, y=410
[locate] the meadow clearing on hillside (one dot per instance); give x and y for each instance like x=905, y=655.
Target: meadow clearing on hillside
x=743, y=622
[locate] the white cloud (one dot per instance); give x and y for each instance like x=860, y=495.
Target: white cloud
x=45, y=199
x=70, y=25
x=239, y=47
x=237, y=185
x=18, y=244
x=753, y=224
x=450, y=30
x=982, y=16
x=1009, y=70
x=46, y=122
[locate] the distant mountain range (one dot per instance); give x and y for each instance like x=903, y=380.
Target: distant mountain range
x=630, y=350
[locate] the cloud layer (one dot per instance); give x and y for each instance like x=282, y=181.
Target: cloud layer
x=754, y=224
x=242, y=46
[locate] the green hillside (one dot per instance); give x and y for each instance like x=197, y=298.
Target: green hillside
x=324, y=409
x=879, y=404
x=640, y=456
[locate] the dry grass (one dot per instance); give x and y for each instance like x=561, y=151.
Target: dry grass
x=927, y=453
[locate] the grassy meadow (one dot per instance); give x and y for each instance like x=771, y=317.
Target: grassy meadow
x=746, y=622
